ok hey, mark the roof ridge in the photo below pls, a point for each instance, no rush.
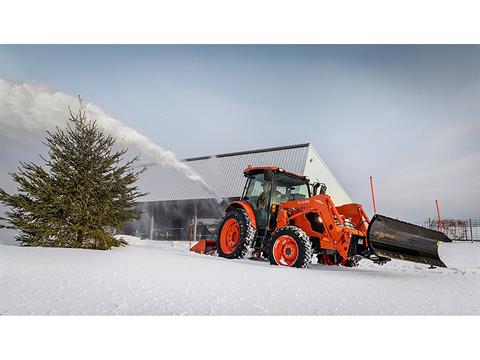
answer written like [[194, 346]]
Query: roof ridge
[[245, 152]]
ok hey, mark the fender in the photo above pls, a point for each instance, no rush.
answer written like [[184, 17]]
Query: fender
[[247, 207]]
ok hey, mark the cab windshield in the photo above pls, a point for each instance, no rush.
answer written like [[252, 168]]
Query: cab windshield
[[288, 188]]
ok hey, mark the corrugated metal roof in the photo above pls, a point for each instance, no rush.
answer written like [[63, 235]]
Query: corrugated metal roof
[[223, 173]]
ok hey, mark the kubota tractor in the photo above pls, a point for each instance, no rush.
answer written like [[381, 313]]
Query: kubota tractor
[[286, 219]]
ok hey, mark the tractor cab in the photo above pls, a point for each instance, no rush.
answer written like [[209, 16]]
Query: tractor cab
[[268, 187]]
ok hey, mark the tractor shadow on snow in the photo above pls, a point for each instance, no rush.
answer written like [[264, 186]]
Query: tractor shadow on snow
[[360, 271]]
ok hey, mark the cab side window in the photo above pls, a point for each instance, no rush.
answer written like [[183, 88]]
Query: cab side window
[[258, 191]]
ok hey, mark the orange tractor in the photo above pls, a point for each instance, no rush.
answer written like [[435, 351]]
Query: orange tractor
[[285, 218]]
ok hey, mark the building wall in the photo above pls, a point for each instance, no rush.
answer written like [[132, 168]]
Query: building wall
[[175, 220], [317, 170]]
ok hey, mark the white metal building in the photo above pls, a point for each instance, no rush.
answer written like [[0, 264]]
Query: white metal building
[[175, 206], [224, 173]]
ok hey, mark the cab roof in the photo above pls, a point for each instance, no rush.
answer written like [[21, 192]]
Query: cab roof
[[275, 169]]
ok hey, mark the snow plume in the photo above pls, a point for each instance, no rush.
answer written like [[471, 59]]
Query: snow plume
[[30, 107]]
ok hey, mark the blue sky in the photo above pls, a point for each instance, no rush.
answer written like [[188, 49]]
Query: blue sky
[[408, 115]]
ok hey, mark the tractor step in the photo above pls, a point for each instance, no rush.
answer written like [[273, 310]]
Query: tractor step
[[397, 239]]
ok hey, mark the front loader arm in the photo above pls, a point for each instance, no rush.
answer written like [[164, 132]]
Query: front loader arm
[[336, 235]]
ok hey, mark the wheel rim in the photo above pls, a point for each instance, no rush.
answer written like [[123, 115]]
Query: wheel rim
[[285, 250], [229, 236]]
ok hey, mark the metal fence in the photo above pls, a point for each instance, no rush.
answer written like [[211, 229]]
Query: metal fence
[[456, 229]]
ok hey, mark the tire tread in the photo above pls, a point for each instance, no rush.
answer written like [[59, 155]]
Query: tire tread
[[303, 241], [247, 234]]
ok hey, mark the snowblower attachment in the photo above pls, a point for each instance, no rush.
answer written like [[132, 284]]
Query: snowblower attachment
[[400, 240], [205, 247]]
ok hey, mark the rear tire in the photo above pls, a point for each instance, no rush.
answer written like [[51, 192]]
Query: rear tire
[[235, 235], [290, 246]]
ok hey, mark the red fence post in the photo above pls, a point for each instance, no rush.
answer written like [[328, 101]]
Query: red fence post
[[438, 213], [373, 196]]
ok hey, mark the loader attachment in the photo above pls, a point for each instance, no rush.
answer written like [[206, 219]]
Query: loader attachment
[[204, 247], [400, 240]]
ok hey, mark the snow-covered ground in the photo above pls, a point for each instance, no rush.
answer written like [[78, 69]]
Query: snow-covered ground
[[150, 277]]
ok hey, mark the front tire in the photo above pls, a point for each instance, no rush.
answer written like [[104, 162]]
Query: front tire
[[235, 235], [290, 246]]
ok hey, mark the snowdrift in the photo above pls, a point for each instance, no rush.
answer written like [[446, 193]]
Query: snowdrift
[[154, 278]]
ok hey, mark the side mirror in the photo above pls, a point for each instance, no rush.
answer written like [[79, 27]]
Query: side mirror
[[323, 189], [319, 188]]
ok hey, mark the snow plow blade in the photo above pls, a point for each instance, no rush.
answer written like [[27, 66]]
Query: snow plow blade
[[204, 247], [400, 240]]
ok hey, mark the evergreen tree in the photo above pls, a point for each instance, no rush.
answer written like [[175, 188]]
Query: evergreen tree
[[86, 190]]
